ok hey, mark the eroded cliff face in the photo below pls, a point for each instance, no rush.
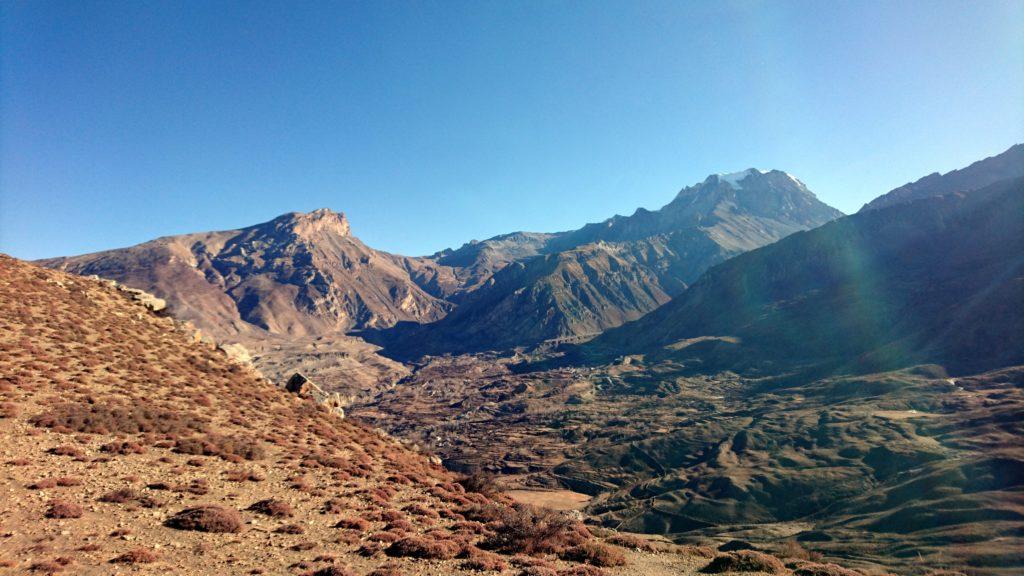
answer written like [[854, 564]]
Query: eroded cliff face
[[296, 275]]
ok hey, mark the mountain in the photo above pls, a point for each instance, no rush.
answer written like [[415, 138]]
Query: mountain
[[128, 446], [574, 285], [938, 280], [296, 275], [476, 262], [1005, 166]]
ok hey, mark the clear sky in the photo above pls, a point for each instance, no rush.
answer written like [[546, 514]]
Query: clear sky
[[431, 124]]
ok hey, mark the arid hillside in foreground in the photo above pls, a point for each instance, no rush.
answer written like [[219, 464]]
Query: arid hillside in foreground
[[128, 447]]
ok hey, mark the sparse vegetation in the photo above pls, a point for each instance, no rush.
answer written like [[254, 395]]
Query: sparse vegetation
[[745, 561], [64, 509], [136, 556], [273, 508], [419, 547], [206, 519]]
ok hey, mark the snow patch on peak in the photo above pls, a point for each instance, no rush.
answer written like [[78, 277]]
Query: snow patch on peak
[[795, 180], [733, 178]]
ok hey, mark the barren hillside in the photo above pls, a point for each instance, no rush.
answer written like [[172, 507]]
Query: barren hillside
[[129, 447]]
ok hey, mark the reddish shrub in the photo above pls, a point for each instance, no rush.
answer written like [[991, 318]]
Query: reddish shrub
[[225, 447], [386, 537], [65, 450], [387, 571], [290, 529], [477, 559], [43, 484], [745, 561], [332, 571], [416, 547], [816, 569], [273, 508], [120, 447], [632, 542], [479, 483], [64, 509], [353, 524], [106, 419], [243, 476], [125, 495], [206, 519], [538, 571], [596, 554], [136, 556], [529, 530], [582, 570]]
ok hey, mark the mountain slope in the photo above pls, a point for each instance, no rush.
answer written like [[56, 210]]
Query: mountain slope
[[127, 446], [586, 281], [938, 280], [299, 274], [1005, 166]]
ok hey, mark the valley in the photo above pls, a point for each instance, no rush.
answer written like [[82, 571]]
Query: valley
[[742, 369]]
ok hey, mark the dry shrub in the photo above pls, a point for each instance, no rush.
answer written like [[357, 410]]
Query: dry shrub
[[46, 567], [632, 542], [538, 571], [418, 547], [582, 570], [226, 447], [816, 569], [43, 484], [386, 570], [66, 450], [353, 524], [370, 549], [122, 448], [386, 537], [64, 509], [333, 506], [290, 529], [479, 483], [125, 495], [479, 560], [206, 519], [596, 554], [243, 476], [530, 530], [400, 525], [273, 508], [793, 549], [136, 418], [137, 556], [420, 510], [699, 551], [332, 571], [8, 410], [745, 561]]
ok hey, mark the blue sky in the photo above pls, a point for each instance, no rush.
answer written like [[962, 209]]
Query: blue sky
[[431, 124]]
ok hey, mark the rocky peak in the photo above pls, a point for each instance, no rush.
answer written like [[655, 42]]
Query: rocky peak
[[307, 224], [320, 220]]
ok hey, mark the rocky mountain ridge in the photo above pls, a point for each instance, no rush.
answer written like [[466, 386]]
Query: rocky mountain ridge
[[574, 285]]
